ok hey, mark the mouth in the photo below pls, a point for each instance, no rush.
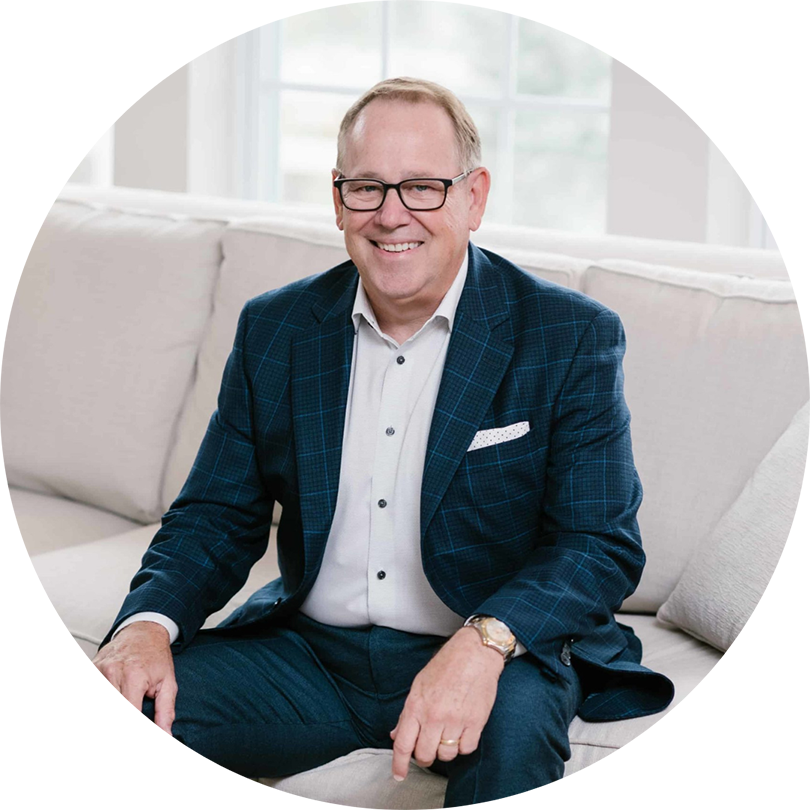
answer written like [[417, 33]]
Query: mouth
[[396, 247]]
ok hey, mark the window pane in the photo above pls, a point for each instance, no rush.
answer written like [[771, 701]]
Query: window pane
[[486, 121], [336, 47], [551, 63], [458, 46], [560, 177], [309, 126]]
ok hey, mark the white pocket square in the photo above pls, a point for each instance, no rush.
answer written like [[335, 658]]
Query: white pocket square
[[484, 438]]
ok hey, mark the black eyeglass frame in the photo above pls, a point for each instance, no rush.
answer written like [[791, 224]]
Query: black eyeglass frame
[[338, 184]]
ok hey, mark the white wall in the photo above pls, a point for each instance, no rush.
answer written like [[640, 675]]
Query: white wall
[[174, 91], [682, 71], [151, 138]]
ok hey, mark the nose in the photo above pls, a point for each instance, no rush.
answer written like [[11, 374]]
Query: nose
[[392, 213]]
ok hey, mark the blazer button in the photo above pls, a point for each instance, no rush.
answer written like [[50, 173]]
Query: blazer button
[[277, 602]]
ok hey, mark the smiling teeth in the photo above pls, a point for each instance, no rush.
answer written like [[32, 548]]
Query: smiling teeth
[[399, 247]]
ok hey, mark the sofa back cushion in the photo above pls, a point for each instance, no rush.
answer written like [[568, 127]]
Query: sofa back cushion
[[100, 352], [257, 256], [715, 370], [261, 254], [567, 271]]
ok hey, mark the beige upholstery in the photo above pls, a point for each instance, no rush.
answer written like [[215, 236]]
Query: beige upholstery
[[100, 352], [125, 317], [48, 522], [715, 370], [728, 574]]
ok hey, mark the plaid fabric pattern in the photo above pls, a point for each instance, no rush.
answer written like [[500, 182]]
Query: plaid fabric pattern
[[539, 531]]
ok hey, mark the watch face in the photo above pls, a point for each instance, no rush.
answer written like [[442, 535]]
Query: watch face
[[498, 631]]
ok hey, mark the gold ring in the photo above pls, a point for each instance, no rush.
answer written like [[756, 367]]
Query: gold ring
[[449, 742]]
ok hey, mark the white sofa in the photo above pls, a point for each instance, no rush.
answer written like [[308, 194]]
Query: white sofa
[[120, 330]]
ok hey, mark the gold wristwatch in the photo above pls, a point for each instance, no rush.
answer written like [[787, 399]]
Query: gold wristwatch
[[494, 633]]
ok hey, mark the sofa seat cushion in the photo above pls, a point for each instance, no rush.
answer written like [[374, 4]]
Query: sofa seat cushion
[[87, 583], [100, 352], [49, 522], [362, 781], [363, 778]]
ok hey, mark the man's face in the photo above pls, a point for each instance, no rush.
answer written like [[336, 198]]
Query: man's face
[[393, 141]]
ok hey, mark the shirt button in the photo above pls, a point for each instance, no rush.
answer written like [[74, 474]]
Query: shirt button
[[389, 431], [400, 360], [382, 503], [380, 574]]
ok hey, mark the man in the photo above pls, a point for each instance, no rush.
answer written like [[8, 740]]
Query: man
[[449, 441]]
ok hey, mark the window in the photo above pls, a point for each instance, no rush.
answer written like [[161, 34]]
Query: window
[[540, 98]]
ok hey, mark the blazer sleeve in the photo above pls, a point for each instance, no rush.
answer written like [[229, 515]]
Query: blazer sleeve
[[588, 557], [219, 525]]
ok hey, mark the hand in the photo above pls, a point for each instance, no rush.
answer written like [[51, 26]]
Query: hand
[[138, 662], [451, 699]]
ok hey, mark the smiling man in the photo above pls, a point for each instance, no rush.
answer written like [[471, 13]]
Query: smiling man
[[448, 438]]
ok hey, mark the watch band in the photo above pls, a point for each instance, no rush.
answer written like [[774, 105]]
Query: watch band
[[494, 633]]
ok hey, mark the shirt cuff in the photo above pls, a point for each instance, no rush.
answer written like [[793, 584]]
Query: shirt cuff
[[157, 618]]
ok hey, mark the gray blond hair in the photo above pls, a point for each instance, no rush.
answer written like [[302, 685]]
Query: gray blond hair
[[418, 91]]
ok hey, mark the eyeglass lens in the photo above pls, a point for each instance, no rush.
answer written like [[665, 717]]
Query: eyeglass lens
[[416, 194]]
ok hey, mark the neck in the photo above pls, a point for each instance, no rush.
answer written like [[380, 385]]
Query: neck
[[402, 318]]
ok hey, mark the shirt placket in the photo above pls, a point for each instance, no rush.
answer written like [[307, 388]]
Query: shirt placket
[[390, 431]]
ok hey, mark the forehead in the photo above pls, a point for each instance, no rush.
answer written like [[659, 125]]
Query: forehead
[[399, 133]]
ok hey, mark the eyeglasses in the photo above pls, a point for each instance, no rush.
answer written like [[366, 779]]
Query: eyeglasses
[[417, 194]]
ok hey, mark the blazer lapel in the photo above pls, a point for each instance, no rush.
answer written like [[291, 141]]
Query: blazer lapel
[[476, 361], [321, 365]]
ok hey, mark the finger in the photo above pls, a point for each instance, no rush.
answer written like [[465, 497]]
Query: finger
[[393, 732], [164, 704], [403, 747], [133, 688], [449, 752], [427, 745], [469, 740]]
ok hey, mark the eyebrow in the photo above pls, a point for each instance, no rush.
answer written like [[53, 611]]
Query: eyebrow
[[408, 175]]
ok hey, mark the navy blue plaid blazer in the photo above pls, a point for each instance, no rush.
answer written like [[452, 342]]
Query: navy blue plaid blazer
[[539, 531]]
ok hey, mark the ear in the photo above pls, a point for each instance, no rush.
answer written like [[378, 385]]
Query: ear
[[336, 201], [479, 191]]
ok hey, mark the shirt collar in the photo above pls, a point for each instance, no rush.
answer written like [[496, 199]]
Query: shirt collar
[[446, 309]]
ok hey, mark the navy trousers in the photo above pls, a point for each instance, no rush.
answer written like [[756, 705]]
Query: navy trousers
[[302, 694]]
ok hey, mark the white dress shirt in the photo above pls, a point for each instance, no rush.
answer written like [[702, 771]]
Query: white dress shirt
[[372, 573]]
